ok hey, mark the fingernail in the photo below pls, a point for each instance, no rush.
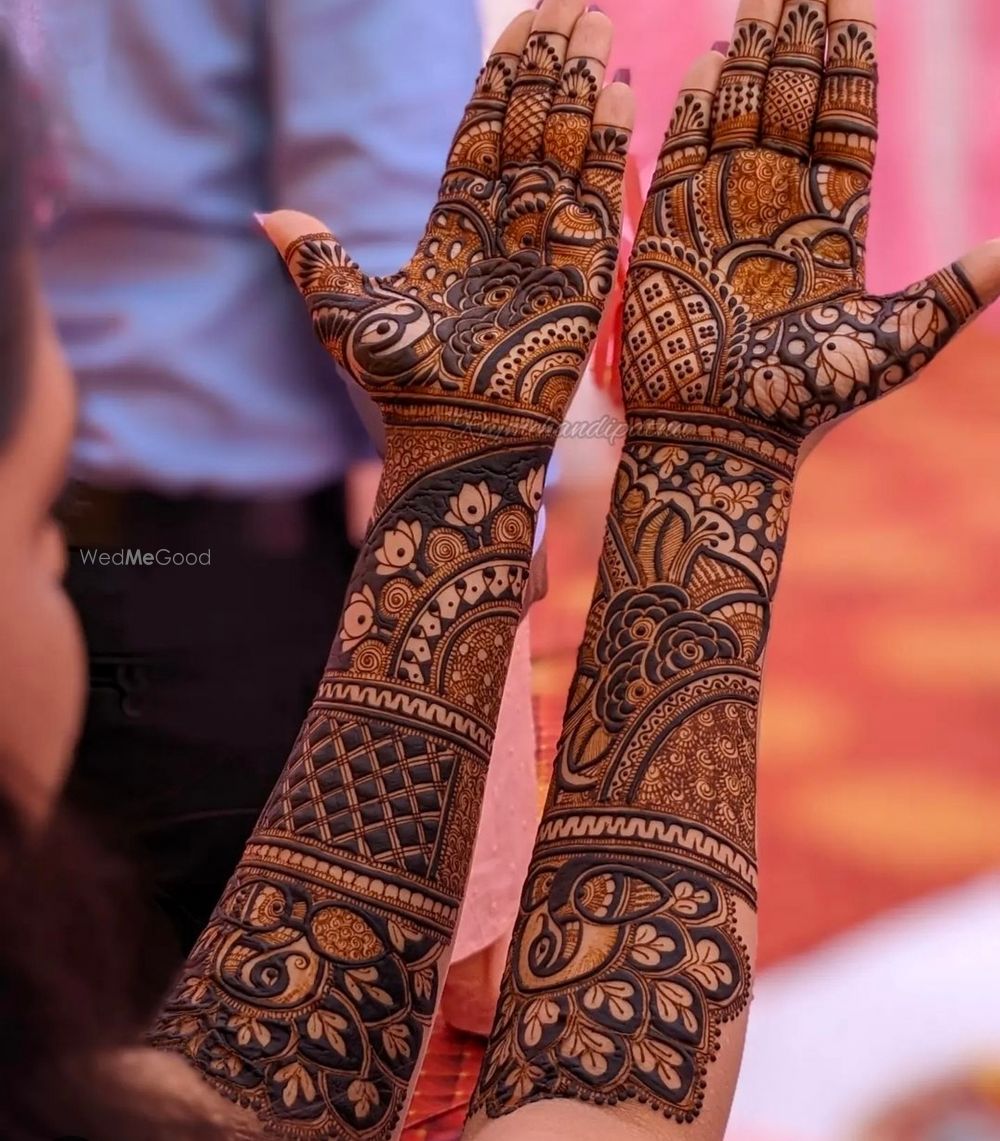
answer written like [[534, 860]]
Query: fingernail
[[623, 75], [721, 46], [260, 219]]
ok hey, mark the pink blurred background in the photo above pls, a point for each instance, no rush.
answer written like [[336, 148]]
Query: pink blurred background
[[939, 159]]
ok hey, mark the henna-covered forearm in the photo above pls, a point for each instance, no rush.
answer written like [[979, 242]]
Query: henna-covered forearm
[[630, 950], [747, 325], [310, 993]]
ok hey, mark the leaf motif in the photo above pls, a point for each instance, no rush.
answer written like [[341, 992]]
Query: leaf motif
[[379, 995], [396, 1040], [396, 936], [363, 1096], [527, 1079], [652, 1057], [616, 994], [649, 947], [228, 1064], [195, 989], [538, 1014], [590, 1046], [249, 1029], [687, 900], [423, 983], [325, 1025], [708, 967], [674, 1004], [298, 1083]]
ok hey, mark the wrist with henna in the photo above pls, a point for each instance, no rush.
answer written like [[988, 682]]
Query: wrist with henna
[[629, 954], [747, 325]]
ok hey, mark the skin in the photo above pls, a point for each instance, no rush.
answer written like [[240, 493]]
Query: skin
[[43, 663], [748, 331], [43, 667], [310, 995]]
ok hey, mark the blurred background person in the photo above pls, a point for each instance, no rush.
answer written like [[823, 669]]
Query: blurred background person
[[211, 427], [70, 968]]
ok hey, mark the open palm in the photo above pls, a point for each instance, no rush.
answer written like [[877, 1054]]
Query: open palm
[[496, 311], [746, 292]]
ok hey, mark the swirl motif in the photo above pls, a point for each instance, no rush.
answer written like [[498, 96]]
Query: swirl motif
[[518, 246], [309, 997]]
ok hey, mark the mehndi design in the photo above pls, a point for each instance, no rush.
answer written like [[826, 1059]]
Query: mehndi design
[[309, 996], [746, 327]]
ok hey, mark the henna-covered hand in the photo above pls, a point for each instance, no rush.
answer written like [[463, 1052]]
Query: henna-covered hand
[[490, 323], [746, 291], [746, 326], [310, 995]]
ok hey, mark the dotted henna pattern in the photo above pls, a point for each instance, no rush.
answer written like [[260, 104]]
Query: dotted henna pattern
[[746, 326], [310, 994]]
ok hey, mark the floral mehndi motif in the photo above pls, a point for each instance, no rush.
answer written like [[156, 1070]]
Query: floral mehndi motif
[[310, 994], [747, 286], [746, 326], [501, 301]]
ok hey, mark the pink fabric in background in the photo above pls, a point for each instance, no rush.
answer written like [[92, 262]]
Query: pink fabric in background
[[936, 187], [510, 815]]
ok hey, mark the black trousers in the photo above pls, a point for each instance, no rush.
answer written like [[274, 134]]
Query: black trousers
[[208, 624]]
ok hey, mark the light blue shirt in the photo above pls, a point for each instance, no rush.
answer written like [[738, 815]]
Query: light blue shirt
[[180, 118]]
